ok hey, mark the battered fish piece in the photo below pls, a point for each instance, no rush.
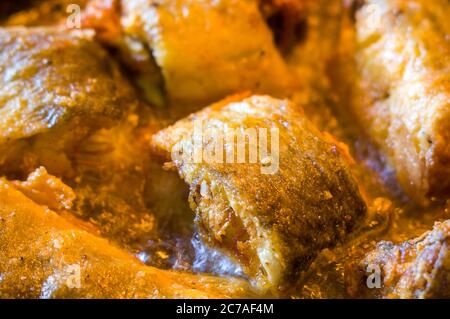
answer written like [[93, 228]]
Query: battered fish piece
[[64, 105], [56, 88], [207, 50], [270, 212], [404, 96], [42, 255], [170, 70], [418, 268]]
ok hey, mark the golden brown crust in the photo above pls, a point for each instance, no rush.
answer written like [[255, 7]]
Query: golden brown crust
[[271, 224], [97, 140], [57, 87], [417, 268], [50, 77], [41, 252], [207, 50], [403, 59]]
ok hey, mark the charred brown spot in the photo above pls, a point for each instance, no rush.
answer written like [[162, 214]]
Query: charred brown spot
[[287, 19]]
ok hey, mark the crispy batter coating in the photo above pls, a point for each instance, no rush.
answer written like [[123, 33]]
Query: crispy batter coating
[[65, 105], [56, 88], [148, 46], [403, 58], [272, 224], [418, 268], [43, 255], [207, 50]]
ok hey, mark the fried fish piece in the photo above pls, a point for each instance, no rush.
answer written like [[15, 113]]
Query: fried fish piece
[[56, 88], [270, 212], [66, 106], [42, 255], [207, 50], [418, 268], [403, 99], [169, 67]]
